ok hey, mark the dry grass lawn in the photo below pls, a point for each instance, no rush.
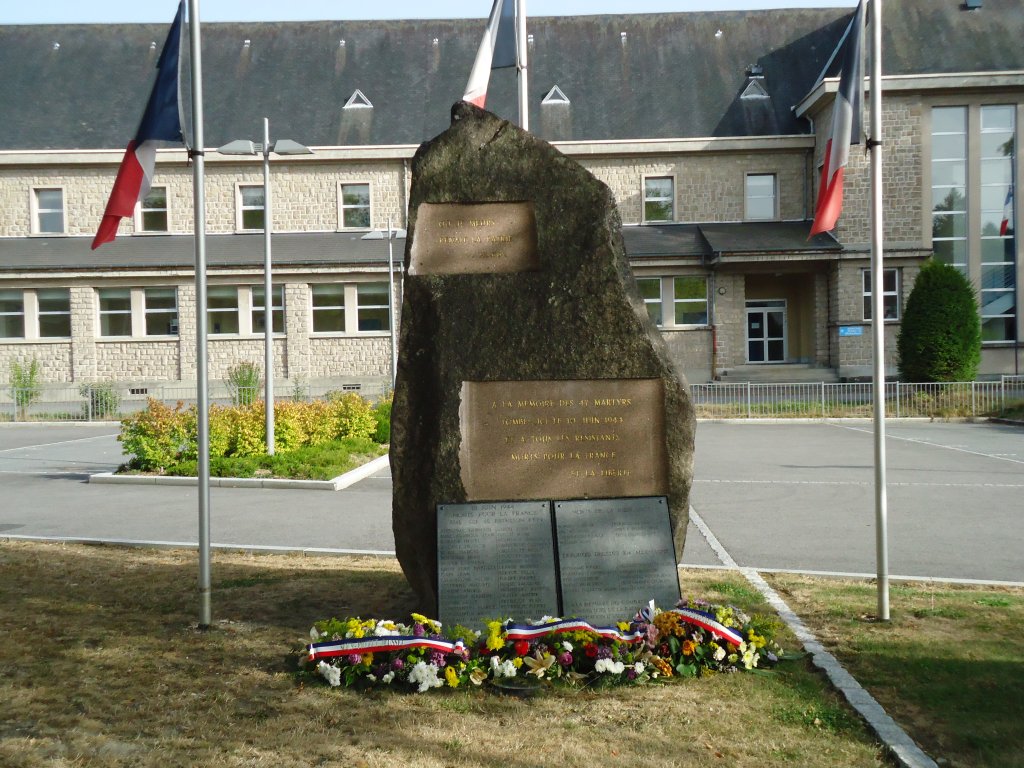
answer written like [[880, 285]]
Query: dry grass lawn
[[101, 664]]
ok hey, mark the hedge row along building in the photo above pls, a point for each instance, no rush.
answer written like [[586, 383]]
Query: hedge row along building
[[707, 127]]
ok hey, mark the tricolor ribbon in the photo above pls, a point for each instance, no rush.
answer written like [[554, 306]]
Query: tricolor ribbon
[[533, 631], [385, 644], [710, 623]]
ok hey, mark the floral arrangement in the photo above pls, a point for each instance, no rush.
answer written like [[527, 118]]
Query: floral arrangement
[[693, 639]]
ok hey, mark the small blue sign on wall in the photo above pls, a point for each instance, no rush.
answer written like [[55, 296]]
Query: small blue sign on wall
[[851, 330]]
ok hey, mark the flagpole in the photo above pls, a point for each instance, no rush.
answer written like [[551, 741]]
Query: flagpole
[[202, 386], [877, 318], [524, 102]]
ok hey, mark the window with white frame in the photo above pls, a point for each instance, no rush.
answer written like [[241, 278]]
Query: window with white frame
[[258, 314], [998, 238], [138, 312], [890, 293], [152, 213], [690, 298], [650, 292], [222, 309], [372, 304], [115, 311], [949, 185], [48, 211], [12, 314], [54, 308], [329, 308], [251, 207], [160, 306], [760, 195], [355, 206], [659, 198]]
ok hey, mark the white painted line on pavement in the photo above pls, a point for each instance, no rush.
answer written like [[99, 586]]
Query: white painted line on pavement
[[857, 482], [59, 442], [890, 436], [867, 576], [894, 737]]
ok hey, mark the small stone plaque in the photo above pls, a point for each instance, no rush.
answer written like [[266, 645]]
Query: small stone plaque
[[495, 560], [614, 556], [474, 238], [563, 439]]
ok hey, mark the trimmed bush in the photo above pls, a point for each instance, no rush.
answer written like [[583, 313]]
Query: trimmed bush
[[382, 412], [156, 437], [940, 336]]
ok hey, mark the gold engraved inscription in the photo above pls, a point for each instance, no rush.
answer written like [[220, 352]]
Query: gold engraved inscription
[[563, 439], [474, 238]]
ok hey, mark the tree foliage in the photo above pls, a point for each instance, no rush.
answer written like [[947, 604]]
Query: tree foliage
[[940, 336]]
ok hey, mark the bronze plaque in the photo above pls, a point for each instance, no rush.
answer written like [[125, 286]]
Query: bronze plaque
[[597, 438], [474, 238], [614, 556], [495, 560]]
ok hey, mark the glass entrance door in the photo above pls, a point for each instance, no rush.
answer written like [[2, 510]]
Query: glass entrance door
[[766, 331]]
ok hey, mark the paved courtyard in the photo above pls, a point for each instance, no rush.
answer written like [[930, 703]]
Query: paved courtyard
[[791, 496]]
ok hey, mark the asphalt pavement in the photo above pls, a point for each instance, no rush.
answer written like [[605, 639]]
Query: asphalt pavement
[[785, 496]]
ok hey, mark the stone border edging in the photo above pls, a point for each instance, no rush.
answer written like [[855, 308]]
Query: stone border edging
[[899, 743], [335, 484]]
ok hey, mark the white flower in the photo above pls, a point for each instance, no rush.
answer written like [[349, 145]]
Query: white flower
[[426, 676], [388, 677], [330, 673], [567, 645], [381, 630], [313, 634], [502, 668], [719, 653], [750, 658], [639, 667], [607, 665]]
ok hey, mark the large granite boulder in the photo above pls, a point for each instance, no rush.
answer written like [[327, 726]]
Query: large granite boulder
[[566, 311]]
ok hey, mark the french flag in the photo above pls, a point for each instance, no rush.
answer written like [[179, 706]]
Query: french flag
[[1007, 223], [497, 50], [160, 122], [846, 130]]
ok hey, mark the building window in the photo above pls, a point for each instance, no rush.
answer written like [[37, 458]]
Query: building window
[[890, 293], [161, 311], [650, 291], [659, 198], [276, 309], [355, 206], [48, 211], [115, 311], [691, 300], [12, 314], [760, 196], [372, 304], [329, 308], [54, 306], [222, 309], [251, 207], [998, 240], [949, 191], [153, 211]]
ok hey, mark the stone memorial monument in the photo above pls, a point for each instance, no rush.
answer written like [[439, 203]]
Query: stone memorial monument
[[528, 366]]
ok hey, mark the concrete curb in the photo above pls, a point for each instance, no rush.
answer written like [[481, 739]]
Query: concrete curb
[[336, 484], [899, 743]]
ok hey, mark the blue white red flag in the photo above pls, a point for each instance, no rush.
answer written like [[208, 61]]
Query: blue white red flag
[[497, 50], [160, 122], [385, 644], [846, 129], [1007, 223]]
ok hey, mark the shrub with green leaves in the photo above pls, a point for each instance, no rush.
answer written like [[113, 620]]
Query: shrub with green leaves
[[25, 383], [157, 436], [940, 336], [243, 382], [382, 412], [351, 415], [101, 400]]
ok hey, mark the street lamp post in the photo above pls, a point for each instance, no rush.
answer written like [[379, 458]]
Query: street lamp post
[[279, 147]]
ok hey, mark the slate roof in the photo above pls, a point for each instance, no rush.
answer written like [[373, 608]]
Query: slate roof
[[713, 241], [178, 251], [626, 76]]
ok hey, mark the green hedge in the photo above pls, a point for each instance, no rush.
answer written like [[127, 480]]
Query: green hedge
[[160, 436]]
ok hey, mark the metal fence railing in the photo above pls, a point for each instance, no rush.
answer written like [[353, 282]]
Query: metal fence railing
[[820, 400], [111, 401], [742, 400]]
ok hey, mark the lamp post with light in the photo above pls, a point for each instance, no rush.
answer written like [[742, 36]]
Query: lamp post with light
[[279, 147], [392, 235]]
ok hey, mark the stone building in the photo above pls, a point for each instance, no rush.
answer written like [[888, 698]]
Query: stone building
[[708, 127]]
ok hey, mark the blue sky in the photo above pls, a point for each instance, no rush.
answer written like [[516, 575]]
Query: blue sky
[[118, 11]]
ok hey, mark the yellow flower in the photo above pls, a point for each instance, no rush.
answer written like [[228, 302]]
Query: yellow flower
[[452, 677], [623, 626], [539, 664], [367, 659], [517, 662], [494, 639], [688, 647], [477, 676]]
